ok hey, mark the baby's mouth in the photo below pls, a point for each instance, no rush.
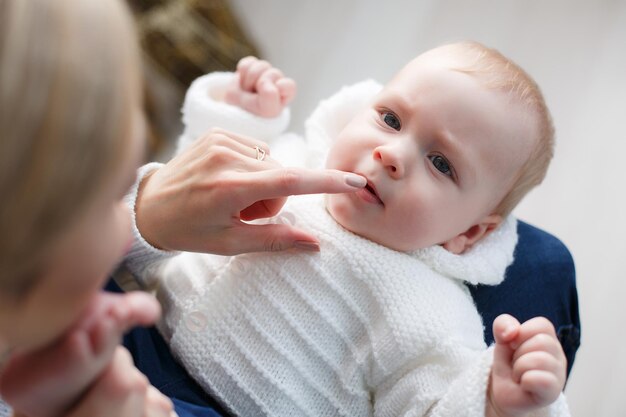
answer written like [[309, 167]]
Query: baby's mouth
[[371, 189]]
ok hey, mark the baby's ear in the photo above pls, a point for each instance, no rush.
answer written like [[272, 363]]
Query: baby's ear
[[475, 233]]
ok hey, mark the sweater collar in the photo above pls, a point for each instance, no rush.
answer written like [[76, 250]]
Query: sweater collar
[[484, 263]]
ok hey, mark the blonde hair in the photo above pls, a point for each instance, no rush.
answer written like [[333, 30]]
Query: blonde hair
[[495, 71], [69, 85]]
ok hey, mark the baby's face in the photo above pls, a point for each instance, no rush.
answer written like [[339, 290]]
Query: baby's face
[[439, 152]]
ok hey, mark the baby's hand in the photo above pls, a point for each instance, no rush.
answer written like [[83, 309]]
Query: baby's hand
[[529, 366], [49, 381], [260, 88]]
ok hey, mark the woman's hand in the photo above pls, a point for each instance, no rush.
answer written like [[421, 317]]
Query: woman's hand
[[48, 382], [198, 200]]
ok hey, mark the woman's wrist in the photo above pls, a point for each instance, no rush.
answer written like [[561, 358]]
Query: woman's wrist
[[142, 229], [142, 223], [144, 252]]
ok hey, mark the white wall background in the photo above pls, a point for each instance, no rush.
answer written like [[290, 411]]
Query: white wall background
[[576, 50]]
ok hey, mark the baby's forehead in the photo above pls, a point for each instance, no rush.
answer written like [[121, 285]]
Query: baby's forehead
[[429, 75], [427, 81]]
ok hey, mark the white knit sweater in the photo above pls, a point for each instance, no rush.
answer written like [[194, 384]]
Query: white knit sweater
[[354, 330]]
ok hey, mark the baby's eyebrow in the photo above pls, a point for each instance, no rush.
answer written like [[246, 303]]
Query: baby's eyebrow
[[398, 101]]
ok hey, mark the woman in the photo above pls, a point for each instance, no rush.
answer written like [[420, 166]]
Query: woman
[[71, 140]]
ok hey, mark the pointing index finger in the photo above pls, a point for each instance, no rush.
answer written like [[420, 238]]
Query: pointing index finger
[[283, 182]]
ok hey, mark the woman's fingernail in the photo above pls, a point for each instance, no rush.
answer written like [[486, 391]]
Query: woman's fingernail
[[355, 180], [307, 245]]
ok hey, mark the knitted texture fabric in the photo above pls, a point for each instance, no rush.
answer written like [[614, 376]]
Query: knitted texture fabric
[[357, 329], [142, 256]]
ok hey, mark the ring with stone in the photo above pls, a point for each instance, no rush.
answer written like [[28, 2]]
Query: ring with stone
[[260, 153]]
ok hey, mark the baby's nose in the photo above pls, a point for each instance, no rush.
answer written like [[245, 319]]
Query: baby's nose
[[391, 159]]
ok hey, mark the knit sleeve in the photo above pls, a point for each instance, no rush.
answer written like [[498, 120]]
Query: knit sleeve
[[437, 382], [203, 111], [142, 257], [458, 388], [467, 395]]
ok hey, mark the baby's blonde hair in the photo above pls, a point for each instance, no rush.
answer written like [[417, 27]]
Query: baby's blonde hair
[[495, 71], [69, 90]]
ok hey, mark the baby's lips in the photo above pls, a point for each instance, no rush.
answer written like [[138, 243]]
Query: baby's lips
[[371, 188]]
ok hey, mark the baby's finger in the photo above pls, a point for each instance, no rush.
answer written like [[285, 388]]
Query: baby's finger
[[250, 78], [119, 391], [505, 328], [540, 342], [244, 63], [271, 75], [243, 66], [534, 326], [157, 404], [131, 309], [268, 100], [100, 305], [539, 361], [143, 310], [287, 90], [544, 386], [105, 335]]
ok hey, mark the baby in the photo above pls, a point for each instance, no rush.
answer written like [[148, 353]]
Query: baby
[[379, 321]]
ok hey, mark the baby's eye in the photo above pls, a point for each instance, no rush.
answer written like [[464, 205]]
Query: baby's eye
[[391, 120], [441, 164]]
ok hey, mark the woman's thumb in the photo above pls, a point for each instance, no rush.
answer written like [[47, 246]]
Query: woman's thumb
[[275, 238]]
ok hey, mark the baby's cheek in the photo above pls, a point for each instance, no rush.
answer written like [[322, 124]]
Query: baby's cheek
[[415, 228], [343, 212], [336, 207]]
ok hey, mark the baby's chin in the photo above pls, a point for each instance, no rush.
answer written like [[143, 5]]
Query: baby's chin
[[334, 208]]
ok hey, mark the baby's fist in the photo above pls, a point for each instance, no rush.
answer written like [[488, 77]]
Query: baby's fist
[[260, 88], [529, 366]]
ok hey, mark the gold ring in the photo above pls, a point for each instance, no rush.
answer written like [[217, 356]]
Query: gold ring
[[260, 153]]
